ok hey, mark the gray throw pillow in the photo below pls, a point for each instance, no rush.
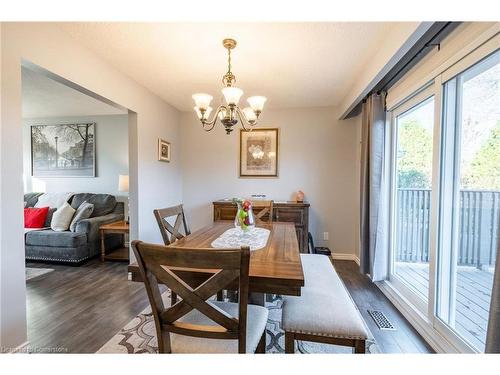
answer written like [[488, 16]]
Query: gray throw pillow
[[83, 212], [48, 220]]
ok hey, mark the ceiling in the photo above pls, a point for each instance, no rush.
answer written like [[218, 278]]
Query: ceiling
[[293, 64], [44, 97]]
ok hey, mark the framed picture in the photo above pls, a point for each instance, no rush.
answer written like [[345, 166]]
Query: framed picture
[[163, 150], [66, 150], [259, 153]]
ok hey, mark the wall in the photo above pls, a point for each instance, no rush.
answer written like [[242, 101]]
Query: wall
[[111, 156], [154, 183], [318, 154]]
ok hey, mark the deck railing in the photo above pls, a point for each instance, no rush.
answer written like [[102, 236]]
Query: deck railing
[[478, 226]]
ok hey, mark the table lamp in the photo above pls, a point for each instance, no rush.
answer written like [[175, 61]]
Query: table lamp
[[123, 187]]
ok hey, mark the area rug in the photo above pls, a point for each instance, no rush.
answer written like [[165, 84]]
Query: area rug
[[32, 273], [139, 335]]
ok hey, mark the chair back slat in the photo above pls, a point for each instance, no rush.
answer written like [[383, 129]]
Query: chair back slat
[[266, 207], [157, 265], [170, 233]]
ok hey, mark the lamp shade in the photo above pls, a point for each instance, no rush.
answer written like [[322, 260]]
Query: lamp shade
[[249, 114], [202, 101], [123, 183], [232, 95], [257, 102]]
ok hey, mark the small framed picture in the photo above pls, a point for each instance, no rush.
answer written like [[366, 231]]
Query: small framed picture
[[163, 150], [259, 153]]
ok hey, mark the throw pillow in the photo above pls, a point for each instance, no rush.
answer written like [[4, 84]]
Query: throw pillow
[[82, 212], [48, 220], [62, 218], [35, 217]]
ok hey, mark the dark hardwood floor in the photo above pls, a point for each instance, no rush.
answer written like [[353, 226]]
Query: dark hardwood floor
[[78, 309]]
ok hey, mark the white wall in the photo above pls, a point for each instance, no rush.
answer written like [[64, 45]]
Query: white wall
[[318, 154], [154, 183], [111, 156]]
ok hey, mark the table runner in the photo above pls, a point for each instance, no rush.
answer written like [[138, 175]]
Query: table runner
[[256, 238]]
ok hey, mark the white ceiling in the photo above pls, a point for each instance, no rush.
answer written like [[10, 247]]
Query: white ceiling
[[44, 97], [293, 64]]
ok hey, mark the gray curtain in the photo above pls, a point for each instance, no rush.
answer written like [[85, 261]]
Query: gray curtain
[[374, 253], [493, 334]]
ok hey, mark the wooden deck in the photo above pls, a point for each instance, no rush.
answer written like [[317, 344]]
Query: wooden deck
[[472, 300]]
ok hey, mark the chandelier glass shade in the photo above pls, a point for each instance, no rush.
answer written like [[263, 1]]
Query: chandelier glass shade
[[229, 113]]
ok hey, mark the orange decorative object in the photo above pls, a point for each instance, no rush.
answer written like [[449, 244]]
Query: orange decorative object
[[300, 196]]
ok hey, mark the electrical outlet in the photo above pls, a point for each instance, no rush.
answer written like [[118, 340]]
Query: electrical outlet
[[325, 236]]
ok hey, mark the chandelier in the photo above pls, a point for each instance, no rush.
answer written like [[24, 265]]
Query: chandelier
[[230, 113]]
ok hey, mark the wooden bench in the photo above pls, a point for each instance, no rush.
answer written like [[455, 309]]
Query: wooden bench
[[325, 312]]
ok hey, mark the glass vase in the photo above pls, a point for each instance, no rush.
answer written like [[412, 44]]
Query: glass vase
[[244, 219]]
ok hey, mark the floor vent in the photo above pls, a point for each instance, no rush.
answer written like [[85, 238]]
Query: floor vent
[[381, 320]]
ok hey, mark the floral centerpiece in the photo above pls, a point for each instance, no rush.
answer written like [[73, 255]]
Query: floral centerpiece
[[244, 216]]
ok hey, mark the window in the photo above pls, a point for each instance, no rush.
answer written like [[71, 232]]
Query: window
[[469, 199]]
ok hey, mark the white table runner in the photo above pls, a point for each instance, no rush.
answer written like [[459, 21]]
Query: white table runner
[[256, 238]]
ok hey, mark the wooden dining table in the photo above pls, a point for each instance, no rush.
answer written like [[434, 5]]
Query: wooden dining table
[[274, 269]]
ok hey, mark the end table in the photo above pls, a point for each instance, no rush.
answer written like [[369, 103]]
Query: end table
[[120, 254]]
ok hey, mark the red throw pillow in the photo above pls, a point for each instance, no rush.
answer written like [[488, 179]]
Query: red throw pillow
[[35, 217]]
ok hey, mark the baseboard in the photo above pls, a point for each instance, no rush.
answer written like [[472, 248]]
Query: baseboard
[[352, 257]]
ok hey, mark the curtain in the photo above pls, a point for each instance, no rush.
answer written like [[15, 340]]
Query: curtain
[[493, 333], [374, 253]]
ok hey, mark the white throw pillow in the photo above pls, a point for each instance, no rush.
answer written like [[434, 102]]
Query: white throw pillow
[[62, 218], [53, 200]]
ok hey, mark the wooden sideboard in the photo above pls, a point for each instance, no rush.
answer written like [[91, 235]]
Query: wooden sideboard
[[291, 212]]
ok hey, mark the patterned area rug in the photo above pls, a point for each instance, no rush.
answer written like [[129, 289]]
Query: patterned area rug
[[139, 335], [31, 273]]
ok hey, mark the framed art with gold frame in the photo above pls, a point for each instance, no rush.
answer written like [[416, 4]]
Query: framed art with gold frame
[[259, 152]]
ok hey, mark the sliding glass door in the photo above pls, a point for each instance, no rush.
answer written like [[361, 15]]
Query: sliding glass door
[[445, 199], [469, 200]]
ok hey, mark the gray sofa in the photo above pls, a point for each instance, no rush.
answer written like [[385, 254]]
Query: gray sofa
[[82, 244]]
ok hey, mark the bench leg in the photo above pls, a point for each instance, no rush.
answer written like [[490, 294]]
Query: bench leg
[[173, 298], [289, 343], [359, 346], [261, 347]]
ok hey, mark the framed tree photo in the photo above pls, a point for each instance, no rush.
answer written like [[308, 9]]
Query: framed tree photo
[[66, 150], [259, 152]]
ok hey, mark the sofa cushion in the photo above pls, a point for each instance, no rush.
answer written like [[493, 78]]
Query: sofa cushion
[[53, 200], [62, 218], [50, 238], [103, 203], [48, 220], [35, 217], [82, 212], [31, 198]]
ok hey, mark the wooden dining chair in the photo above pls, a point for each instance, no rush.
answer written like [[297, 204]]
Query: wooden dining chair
[[169, 232], [265, 207], [196, 324]]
